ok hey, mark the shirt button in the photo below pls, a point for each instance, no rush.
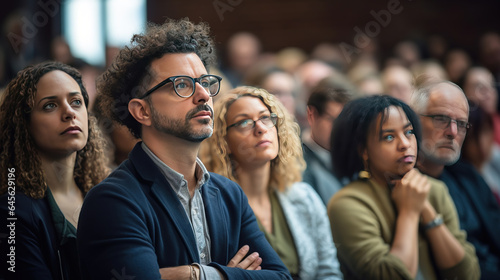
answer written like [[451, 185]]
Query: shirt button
[[202, 255]]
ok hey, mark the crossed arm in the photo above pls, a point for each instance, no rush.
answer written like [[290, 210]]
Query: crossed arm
[[250, 262]]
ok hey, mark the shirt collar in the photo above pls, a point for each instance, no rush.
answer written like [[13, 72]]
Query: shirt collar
[[175, 178]]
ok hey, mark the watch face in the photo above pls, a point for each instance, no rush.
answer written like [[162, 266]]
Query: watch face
[[438, 220]]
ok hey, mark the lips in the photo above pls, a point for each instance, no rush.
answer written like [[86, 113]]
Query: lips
[[72, 130], [203, 114], [451, 147], [263, 142], [407, 159]]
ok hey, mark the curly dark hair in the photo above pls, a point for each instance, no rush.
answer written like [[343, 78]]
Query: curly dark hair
[[351, 128], [17, 147], [129, 74]]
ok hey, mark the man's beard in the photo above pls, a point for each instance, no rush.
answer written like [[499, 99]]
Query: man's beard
[[183, 129], [430, 155]]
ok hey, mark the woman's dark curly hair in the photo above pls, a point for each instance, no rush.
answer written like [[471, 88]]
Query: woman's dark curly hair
[[351, 128], [17, 147], [129, 74]]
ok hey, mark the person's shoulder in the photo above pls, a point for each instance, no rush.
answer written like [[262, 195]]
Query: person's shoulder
[[301, 193], [356, 191], [355, 188], [220, 181], [435, 183], [24, 207], [461, 168], [224, 185], [300, 190], [121, 180]]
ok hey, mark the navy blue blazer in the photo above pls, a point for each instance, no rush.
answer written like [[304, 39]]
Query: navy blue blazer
[[133, 224], [40, 250]]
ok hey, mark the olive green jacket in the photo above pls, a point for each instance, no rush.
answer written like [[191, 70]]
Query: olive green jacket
[[363, 218]]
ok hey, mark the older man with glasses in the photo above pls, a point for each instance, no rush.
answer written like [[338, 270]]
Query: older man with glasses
[[444, 114], [161, 214]]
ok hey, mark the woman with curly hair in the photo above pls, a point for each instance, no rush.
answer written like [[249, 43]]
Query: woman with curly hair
[[51, 154], [256, 144]]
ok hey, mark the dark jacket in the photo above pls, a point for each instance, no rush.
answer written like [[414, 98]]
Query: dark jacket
[[470, 193], [133, 224], [42, 251]]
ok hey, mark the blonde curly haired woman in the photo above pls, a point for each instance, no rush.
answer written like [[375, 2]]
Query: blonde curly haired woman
[[256, 144]]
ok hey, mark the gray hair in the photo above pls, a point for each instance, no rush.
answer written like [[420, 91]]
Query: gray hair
[[423, 86]]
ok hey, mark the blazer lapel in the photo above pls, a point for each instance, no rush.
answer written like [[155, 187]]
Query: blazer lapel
[[216, 221], [167, 198], [174, 209]]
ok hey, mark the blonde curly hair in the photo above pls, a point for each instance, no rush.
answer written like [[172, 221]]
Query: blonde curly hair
[[18, 149], [286, 168]]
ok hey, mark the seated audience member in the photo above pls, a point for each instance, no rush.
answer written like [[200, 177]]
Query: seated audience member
[[161, 214], [256, 144], [456, 63], [479, 147], [430, 68], [277, 82], [479, 87], [243, 50], [323, 107], [308, 75], [397, 81], [391, 222], [51, 155], [444, 114]]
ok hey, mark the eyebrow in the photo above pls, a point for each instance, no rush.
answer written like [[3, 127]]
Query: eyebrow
[[246, 115], [55, 97]]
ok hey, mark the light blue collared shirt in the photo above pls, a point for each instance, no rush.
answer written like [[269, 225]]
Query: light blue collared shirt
[[194, 208]]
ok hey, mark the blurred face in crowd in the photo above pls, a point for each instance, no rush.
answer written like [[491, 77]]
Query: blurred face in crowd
[[322, 124], [479, 88], [282, 86], [397, 83]]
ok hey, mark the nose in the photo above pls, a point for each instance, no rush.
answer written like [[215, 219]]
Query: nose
[[68, 113], [201, 95], [404, 143], [452, 130], [260, 128]]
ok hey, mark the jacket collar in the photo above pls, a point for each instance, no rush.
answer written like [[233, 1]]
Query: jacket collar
[[147, 170]]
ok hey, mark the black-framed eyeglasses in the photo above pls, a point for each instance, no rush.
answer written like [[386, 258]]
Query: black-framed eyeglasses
[[442, 122], [248, 124], [184, 86]]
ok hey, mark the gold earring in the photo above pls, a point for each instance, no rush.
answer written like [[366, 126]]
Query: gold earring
[[363, 174]]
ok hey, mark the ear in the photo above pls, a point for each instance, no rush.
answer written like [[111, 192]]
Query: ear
[[139, 109], [364, 154], [311, 115]]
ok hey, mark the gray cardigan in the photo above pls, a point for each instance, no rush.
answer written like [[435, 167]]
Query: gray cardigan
[[308, 222]]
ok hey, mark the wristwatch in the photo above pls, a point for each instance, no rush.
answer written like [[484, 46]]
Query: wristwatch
[[438, 220]]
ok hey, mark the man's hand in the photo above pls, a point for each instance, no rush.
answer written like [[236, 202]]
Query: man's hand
[[252, 262]]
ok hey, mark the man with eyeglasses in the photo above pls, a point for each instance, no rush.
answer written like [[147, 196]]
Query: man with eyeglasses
[[160, 214], [444, 114]]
